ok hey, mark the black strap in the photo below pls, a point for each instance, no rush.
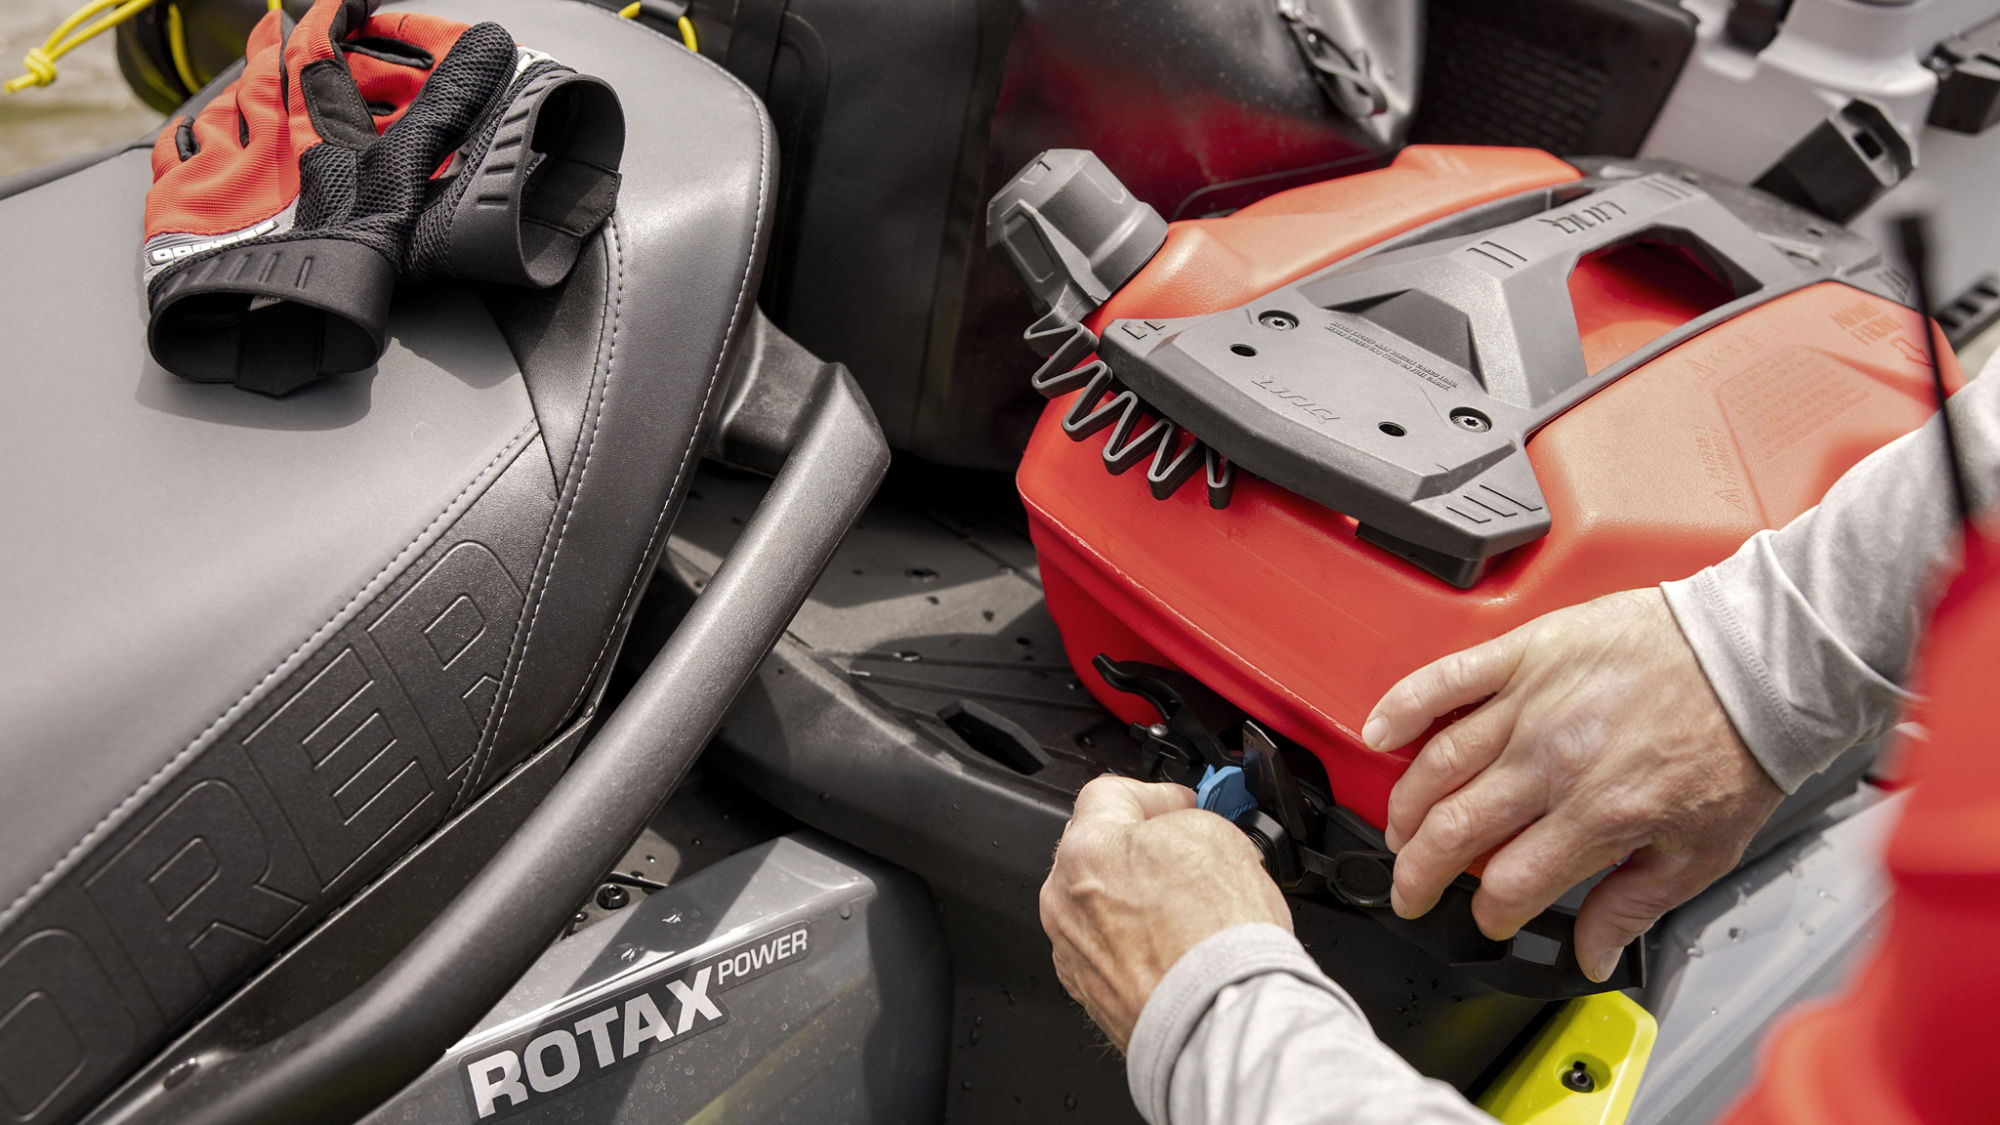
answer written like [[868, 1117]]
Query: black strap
[[753, 42], [274, 316], [523, 222]]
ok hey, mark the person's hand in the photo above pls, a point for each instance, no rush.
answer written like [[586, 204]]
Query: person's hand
[[1141, 877], [1601, 739]]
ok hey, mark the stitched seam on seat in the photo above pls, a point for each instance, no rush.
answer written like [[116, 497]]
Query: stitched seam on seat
[[587, 445], [694, 439], [477, 770], [341, 617]]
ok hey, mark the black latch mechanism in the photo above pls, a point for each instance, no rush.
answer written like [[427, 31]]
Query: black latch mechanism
[[1314, 847]]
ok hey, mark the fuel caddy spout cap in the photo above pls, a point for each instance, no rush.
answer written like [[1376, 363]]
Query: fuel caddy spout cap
[[1072, 231]]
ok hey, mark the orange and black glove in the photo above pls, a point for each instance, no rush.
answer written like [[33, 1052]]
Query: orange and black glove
[[278, 215], [537, 175], [282, 214]]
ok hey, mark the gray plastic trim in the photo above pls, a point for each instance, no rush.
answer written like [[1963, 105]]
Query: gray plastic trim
[[1401, 386], [1775, 933], [841, 1016]]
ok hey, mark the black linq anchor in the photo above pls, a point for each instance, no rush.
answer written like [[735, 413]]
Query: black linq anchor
[[1538, 962], [1315, 848]]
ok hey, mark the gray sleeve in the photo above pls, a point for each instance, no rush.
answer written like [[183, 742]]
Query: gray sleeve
[[1806, 632], [1246, 1030]]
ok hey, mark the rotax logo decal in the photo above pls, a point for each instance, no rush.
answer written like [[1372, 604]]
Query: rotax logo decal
[[591, 1039]]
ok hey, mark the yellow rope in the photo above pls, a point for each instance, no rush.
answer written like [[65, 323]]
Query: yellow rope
[[177, 47], [40, 62], [686, 25]]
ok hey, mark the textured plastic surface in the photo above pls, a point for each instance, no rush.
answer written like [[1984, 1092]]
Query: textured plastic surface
[[1582, 1067], [1570, 76], [1274, 604], [1971, 312]]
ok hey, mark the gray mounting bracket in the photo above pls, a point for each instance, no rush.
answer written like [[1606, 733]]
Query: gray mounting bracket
[[1400, 386]]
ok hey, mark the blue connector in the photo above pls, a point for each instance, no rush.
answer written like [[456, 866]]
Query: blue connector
[[1223, 792]]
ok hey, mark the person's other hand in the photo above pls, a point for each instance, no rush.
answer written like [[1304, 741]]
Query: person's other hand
[[1141, 877], [1601, 739]]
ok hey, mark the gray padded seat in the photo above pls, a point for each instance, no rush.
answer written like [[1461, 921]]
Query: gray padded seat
[[252, 649]]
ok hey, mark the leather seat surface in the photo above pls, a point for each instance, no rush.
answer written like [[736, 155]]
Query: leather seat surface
[[252, 649]]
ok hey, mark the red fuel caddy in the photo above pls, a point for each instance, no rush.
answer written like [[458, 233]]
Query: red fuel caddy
[[1362, 424]]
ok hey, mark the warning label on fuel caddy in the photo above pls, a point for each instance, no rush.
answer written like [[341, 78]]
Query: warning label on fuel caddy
[[591, 1039]]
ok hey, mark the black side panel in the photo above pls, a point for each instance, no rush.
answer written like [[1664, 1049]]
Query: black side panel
[[1569, 76], [794, 81], [878, 107]]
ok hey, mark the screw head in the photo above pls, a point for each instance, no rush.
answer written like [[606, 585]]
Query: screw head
[[1281, 321], [1466, 418], [1578, 1078], [611, 896]]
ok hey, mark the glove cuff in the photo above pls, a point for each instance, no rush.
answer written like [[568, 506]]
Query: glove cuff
[[547, 179], [273, 316]]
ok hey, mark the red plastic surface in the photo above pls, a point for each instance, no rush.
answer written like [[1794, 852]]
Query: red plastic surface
[[1275, 604], [1912, 1038]]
